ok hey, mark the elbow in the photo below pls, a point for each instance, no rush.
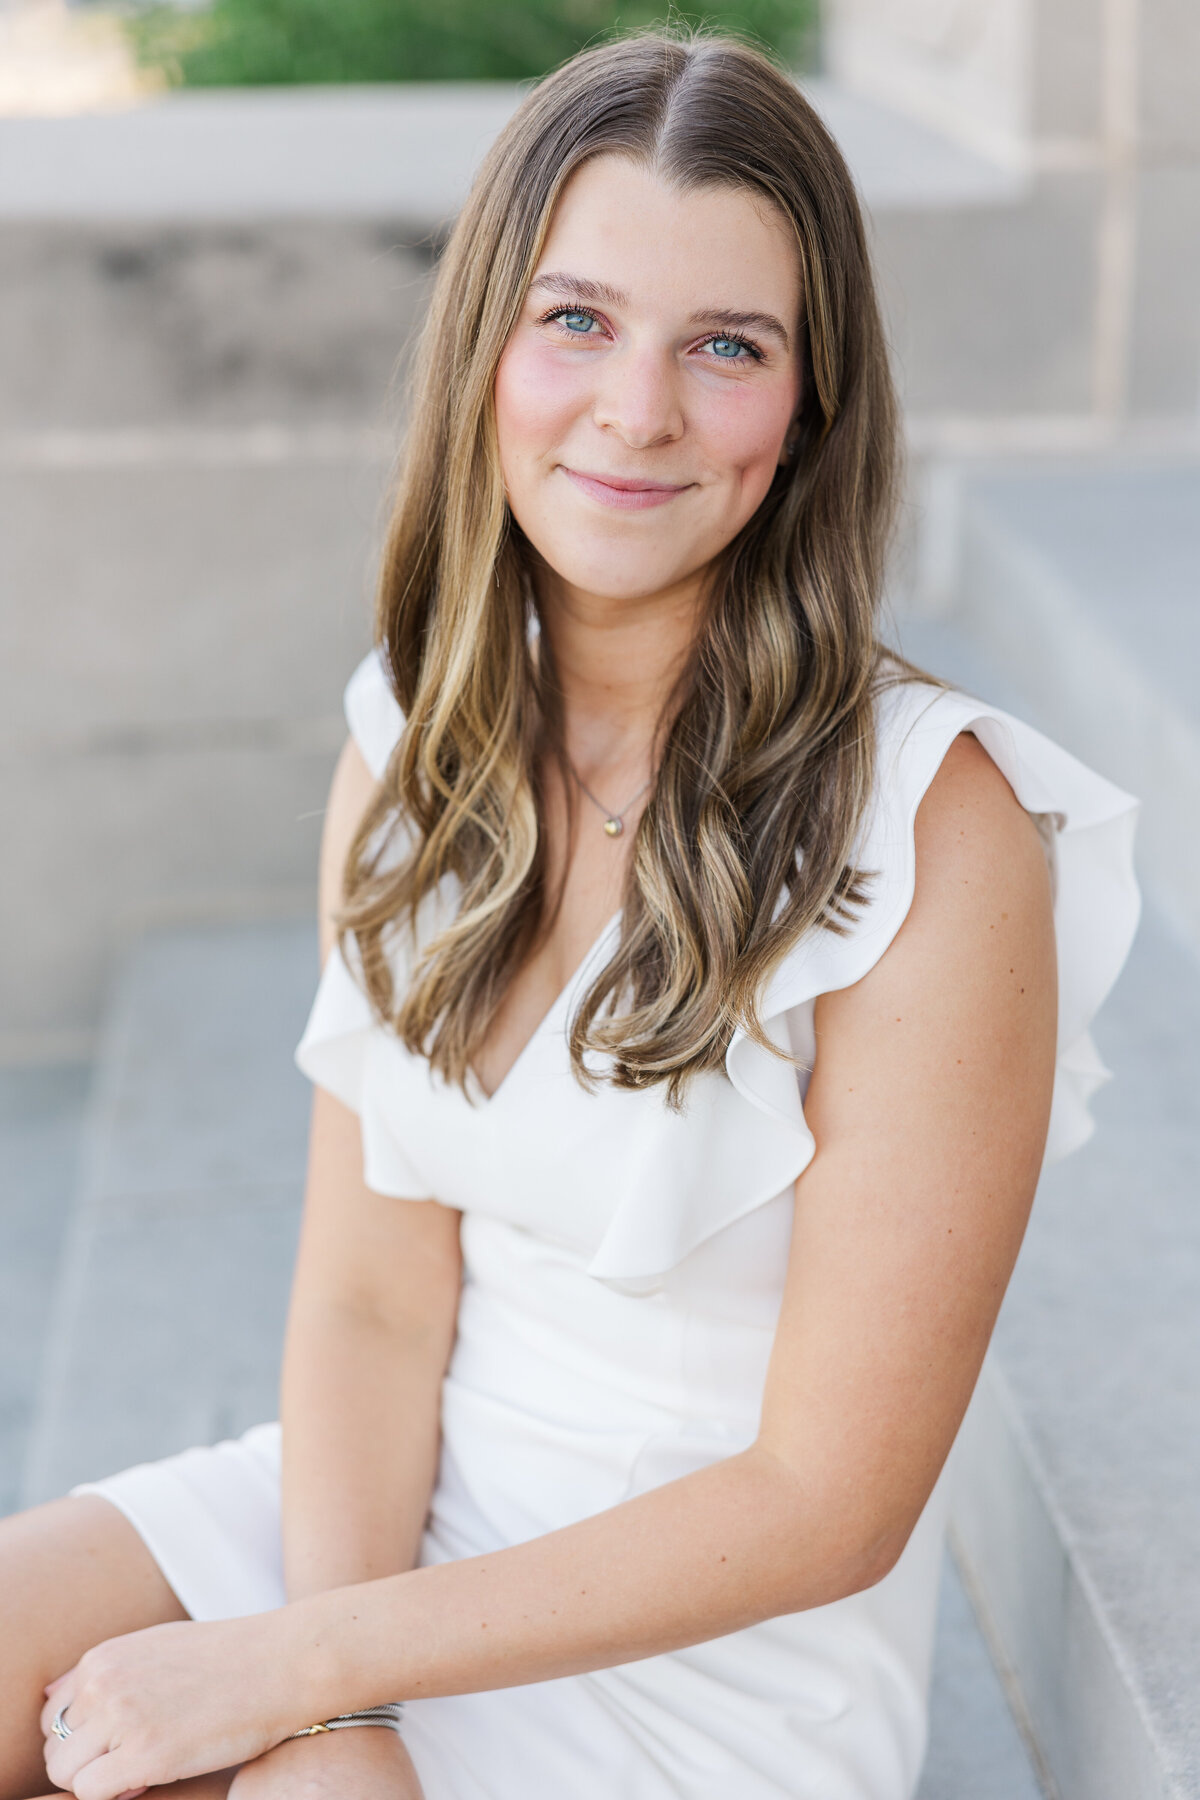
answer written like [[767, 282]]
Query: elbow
[[832, 1545], [846, 1562], [872, 1559]]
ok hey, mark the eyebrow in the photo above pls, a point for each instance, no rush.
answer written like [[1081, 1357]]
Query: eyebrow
[[744, 321], [581, 287]]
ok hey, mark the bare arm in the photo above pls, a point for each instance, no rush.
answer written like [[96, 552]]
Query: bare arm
[[370, 1328], [929, 1104]]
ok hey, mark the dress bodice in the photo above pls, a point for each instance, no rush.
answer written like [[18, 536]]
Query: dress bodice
[[632, 1188]]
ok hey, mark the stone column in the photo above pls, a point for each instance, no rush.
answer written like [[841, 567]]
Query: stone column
[[1097, 103]]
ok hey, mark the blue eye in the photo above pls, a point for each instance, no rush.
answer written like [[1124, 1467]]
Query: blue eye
[[579, 322], [727, 347]]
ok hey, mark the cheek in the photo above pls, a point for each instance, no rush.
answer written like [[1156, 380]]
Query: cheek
[[537, 396], [746, 439]]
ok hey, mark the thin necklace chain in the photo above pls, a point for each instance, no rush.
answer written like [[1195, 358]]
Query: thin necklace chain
[[614, 822]]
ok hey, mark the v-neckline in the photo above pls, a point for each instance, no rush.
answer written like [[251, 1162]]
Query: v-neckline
[[479, 1094]]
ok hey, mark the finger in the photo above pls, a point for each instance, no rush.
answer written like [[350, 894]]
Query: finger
[[104, 1779], [65, 1757], [59, 1701]]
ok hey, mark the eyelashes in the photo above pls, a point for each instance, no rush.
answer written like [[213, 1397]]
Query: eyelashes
[[557, 313]]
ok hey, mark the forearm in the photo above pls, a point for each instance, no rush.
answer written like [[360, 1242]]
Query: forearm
[[360, 1444], [698, 1558], [370, 1330]]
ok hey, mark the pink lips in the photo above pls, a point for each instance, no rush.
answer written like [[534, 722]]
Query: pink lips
[[623, 494]]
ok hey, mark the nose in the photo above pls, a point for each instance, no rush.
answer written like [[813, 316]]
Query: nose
[[638, 398]]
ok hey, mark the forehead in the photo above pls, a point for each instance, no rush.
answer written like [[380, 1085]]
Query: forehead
[[618, 222]]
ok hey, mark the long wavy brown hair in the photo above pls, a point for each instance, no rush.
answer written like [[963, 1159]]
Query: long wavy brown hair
[[747, 840]]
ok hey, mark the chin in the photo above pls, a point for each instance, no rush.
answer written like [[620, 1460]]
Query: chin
[[601, 563], [622, 583]]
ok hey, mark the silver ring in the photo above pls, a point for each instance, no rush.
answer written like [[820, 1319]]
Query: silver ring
[[59, 1726]]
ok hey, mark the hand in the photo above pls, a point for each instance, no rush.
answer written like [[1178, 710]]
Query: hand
[[160, 1705], [368, 1762]]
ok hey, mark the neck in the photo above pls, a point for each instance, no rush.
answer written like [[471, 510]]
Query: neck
[[618, 662]]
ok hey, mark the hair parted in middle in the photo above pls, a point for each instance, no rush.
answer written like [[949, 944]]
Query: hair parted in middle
[[747, 840]]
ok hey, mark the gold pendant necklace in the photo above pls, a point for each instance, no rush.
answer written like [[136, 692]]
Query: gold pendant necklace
[[614, 822]]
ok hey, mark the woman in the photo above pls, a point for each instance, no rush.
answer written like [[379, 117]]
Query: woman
[[685, 1056]]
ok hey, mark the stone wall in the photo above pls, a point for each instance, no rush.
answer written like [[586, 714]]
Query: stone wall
[[198, 422], [1078, 310]]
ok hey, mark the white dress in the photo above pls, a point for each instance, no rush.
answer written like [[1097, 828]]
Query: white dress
[[623, 1274]]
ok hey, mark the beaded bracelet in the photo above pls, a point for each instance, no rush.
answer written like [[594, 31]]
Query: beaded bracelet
[[389, 1714]]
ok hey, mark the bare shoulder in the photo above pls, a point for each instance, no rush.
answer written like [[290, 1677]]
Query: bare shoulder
[[350, 793], [979, 857], [976, 952], [969, 811]]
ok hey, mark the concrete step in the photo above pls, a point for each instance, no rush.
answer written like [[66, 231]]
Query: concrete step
[[41, 1123], [1073, 603], [1076, 1511], [976, 1751], [166, 1323], [168, 1316]]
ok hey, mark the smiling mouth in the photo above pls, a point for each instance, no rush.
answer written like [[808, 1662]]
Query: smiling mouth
[[623, 493]]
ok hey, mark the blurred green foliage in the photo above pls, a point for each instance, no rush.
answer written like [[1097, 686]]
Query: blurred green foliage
[[259, 42]]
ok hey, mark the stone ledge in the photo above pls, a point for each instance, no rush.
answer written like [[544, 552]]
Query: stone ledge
[[1075, 1507], [405, 151]]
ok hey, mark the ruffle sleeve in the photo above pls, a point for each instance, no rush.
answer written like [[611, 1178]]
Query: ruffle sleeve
[[742, 1143], [345, 1050], [343, 1042], [1087, 826], [372, 713]]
